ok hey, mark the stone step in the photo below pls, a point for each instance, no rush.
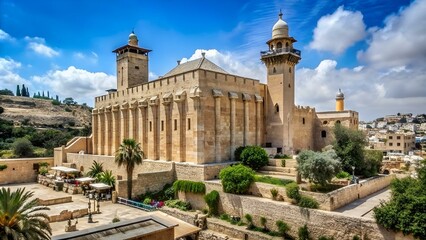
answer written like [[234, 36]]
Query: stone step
[[292, 163], [274, 173], [279, 169]]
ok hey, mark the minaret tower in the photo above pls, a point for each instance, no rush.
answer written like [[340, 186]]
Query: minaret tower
[[340, 101], [132, 64], [280, 61]]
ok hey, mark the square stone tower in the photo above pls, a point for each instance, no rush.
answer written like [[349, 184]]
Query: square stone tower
[[280, 61]]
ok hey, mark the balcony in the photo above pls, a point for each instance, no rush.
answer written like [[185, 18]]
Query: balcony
[[280, 51]]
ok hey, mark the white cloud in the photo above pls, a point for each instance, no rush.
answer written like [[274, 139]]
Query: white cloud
[[5, 36], [8, 76], [79, 84], [38, 45], [231, 63], [401, 41], [91, 57], [371, 92], [338, 31]]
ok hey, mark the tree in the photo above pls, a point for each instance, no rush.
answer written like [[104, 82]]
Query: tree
[[255, 157], [23, 91], [106, 177], [406, 211], [22, 147], [95, 169], [318, 167], [69, 101], [372, 162], [28, 92], [6, 92], [18, 91], [236, 179], [349, 146], [129, 155], [20, 216]]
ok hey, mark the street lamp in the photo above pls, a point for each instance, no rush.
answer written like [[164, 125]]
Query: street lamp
[[90, 219]]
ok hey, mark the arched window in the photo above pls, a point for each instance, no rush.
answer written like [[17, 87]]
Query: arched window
[[338, 122], [286, 44], [325, 122], [277, 108], [303, 120], [279, 45], [323, 134], [272, 47]]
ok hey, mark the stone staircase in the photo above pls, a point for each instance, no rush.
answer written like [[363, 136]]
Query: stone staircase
[[275, 169]]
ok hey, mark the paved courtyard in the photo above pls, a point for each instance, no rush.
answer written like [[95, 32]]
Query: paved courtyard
[[363, 207], [107, 208]]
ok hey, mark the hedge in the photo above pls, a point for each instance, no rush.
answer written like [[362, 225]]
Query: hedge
[[189, 186]]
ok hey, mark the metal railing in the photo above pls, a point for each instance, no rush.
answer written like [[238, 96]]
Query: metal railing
[[135, 204], [281, 51]]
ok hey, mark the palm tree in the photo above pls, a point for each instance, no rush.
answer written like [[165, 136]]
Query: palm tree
[[129, 154], [106, 177], [95, 169], [20, 217]]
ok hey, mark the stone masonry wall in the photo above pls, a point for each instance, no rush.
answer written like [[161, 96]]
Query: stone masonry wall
[[152, 181], [21, 170], [319, 222]]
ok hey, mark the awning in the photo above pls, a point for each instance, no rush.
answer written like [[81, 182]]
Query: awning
[[85, 179], [65, 169], [100, 186]]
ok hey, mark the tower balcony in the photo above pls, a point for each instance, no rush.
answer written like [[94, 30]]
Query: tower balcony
[[281, 51]]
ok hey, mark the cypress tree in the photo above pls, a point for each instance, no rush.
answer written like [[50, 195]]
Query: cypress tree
[[34, 95], [57, 98], [48, 94], [23, 91], [18, 91], [28, 93], [43, 94]]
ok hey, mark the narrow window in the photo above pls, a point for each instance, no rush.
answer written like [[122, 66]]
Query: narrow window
[[189, 124], [122, 76], [175, 124], [277, 108], [274, 70], [137, 67], [303, 120], [323, 134], [289, 69], [162, 125], [150, 126]]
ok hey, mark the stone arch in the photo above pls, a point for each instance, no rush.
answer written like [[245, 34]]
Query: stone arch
[[279, 45]]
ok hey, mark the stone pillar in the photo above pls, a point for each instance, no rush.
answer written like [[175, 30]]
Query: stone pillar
[[107, 134], [124, 123], [153, 103], [217, 94], [101, 130], [115, 129], [246, 99], [95, 130], [197, 126], [143, 125], [259, 101], [167, 129], [232, 97], [180, 99], [130, 121]]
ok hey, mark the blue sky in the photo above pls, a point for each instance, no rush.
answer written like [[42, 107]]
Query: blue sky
[[373, 49]]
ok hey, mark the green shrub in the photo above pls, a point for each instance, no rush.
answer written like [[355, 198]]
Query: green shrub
[[325, 238], [176, 203], [282, 162], [263, 223], [249, 220], [43, 164], [43, 171], [147, 201], [356, 237], [56, 103], [292, 191], [22, 147], [255, 157], [189, 186], [237, 153], [115, 219], [274, 193], [236, 179], [283, 228], [212, 200], [304, 233], [3, 167], [308, 202], [68, 109], [342, 175], [281, 156], [169, 192], [272, 180], [224, 217]]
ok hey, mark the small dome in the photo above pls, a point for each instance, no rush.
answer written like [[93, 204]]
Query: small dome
[[340, 95], [280, 29], [133, 39]]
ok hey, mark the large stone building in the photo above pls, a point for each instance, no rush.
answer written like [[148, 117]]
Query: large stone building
[[199, 113]]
